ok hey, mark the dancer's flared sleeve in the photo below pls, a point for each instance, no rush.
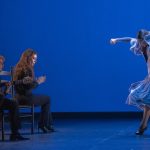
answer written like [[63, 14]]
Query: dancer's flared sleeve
[[135, 47]]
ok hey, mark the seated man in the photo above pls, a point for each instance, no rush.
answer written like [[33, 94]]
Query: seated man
[[11, 106]]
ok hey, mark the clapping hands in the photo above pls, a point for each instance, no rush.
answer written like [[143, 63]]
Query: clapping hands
[[41, 79]]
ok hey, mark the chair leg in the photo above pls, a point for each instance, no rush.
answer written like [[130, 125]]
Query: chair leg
[[32, 117], [3, 138]]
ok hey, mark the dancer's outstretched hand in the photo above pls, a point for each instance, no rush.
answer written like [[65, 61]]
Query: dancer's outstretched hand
[[113, 41]]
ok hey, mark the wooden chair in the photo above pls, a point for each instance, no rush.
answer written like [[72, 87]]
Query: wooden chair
[[29, 109], [29, 114], [3, 73], [2, 125]]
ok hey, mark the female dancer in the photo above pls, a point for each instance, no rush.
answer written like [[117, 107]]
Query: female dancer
[[140, 91]]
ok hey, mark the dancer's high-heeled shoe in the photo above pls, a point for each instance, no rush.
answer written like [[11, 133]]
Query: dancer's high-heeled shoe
[[17, 137], [140, 131], [51, 128], [43, 128]]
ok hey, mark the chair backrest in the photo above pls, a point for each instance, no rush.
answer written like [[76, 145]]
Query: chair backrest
[[4, 89], [5, 73], [12, 79], [10, 74]]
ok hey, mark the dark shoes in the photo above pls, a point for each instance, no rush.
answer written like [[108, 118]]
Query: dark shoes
[[140, 131], [51, 128], [17, 137], [46, 129], [43, 128]]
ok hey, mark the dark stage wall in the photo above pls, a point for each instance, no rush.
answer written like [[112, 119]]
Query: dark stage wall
[[84, 72]]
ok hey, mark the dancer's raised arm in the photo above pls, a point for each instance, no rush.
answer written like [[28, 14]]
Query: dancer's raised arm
[[123, 39]]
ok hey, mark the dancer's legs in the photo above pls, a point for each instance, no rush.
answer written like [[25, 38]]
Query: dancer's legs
[[146, 115]]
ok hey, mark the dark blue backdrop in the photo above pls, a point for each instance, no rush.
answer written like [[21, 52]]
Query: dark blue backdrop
[[84, 72]]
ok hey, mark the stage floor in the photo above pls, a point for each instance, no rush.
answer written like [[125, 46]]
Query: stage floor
[[84, 134]]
